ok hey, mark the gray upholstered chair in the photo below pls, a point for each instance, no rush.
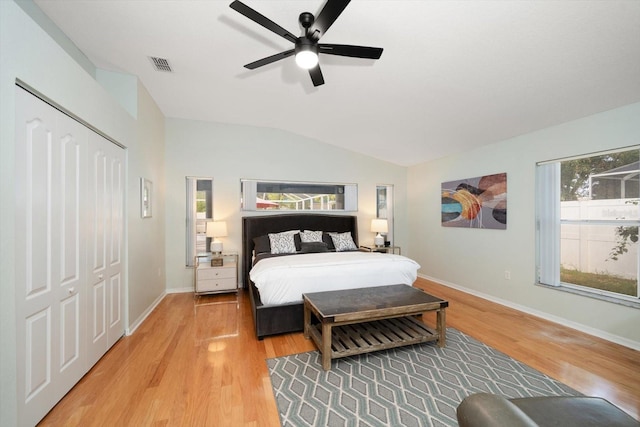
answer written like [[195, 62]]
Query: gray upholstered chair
[[490, 410]]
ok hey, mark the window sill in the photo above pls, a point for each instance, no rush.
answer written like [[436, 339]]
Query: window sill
[[594, 294]]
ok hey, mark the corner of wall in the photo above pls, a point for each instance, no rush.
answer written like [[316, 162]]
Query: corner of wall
[[122, 87], [56, 33]]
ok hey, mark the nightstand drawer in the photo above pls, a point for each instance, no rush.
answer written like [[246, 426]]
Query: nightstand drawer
[[217, 273], [214, 285], [210, 280]]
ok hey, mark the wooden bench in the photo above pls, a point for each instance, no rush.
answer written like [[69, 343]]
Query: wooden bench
[[356, 321]]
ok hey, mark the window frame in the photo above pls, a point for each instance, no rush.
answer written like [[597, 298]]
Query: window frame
[[548, 232], [250, 189], [196, 227], [384, 208]]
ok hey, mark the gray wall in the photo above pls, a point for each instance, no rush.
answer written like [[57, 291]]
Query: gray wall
[[475, 260], [228, 153]]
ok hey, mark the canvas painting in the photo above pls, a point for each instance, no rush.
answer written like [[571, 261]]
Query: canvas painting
[[479, 202]]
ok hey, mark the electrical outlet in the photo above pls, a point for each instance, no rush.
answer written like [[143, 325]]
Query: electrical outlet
[[507, 275]]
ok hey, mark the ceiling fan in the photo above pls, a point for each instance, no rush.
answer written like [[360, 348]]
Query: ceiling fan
[[307, 47]]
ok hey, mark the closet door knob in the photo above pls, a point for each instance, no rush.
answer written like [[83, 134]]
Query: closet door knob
[[71, 291]]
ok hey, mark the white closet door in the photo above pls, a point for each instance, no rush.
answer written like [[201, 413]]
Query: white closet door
[[115, 269], [105, 231], [50, 263]]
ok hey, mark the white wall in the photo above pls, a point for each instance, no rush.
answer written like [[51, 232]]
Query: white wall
[[476, 260], [145, 249], [228, 153], [28, 53], [146, 239]]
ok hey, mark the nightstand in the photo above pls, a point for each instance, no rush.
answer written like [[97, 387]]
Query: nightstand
[[216, 279], [385, 249]]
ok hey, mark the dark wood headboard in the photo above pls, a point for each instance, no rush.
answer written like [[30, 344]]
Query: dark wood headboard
[[256, 226]]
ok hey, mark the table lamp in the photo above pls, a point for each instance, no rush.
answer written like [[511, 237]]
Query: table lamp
[[216, 229], [379, 226]]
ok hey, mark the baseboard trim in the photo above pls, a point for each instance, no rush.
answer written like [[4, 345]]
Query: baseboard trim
[[132, 328], [555, 319], [180, 290]]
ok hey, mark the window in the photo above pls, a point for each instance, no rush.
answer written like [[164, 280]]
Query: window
[[384, 207], [298, 196], [588, 218], [199, 211]]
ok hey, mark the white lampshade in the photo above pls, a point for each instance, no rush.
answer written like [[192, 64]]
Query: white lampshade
[[216, 229], [379, 226]]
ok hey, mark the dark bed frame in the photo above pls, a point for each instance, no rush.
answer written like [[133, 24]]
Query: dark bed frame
[[285, 318]]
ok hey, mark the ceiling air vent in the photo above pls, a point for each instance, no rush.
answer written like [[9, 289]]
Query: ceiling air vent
[[161, 64]]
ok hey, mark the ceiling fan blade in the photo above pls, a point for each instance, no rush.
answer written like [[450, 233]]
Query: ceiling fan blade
[[316, 75], [327, 16], [262, 20], [350, 50], [269, 59]]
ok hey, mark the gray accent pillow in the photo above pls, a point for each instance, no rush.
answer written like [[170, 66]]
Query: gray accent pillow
[[262, 245], [312, 247], [328, 240]]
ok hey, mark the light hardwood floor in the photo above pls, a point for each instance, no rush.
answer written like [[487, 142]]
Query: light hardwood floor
[[196, 362]]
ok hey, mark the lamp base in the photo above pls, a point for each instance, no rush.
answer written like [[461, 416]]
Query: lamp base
[[378, 240], [216, 247]]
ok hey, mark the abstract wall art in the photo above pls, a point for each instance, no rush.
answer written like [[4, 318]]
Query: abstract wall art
[[146, 194], [479, 202]]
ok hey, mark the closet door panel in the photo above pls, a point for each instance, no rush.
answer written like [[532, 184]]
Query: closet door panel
[[116, 325], [35, 310], [116, 177], [69, 246], [97, 234], [39, 151], [116, 228], [38, 363], [70, 333], [105, 230], [69, 194], [98, 343], [49, 257], [97, 211]]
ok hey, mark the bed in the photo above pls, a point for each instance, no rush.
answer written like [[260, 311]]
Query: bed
[[271, 318]]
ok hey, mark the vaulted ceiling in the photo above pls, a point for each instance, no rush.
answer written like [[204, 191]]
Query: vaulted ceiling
[[454, 75]]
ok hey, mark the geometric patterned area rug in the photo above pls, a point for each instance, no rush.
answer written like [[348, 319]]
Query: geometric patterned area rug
[[419, 385]]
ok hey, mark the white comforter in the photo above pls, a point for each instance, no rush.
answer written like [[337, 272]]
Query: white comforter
[[284, 279]]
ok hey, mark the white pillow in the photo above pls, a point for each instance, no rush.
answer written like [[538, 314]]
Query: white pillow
[[283, 243], [343, 241], [289, 232], [311, 236]]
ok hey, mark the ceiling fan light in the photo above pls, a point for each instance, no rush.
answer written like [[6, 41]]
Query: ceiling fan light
[[306, 59]]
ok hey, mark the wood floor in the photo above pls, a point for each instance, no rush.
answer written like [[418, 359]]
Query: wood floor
[[196, 362]]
